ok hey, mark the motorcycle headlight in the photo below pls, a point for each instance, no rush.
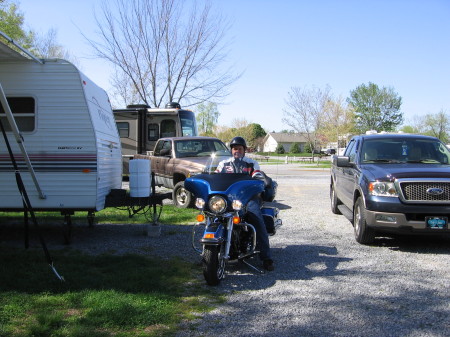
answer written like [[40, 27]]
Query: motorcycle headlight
[[237, 205], [199, 203], [217, 204], [384, 189]]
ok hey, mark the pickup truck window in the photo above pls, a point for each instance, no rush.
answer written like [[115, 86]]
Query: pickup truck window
[[352, 155], [199, 148], [351, 150], [403, 150], [163, 145], [349, 147]]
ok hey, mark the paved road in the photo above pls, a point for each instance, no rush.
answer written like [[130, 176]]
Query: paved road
[[325, 284]]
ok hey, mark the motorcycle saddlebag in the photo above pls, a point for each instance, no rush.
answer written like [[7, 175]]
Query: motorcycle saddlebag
[[270, 188], [270, 214]]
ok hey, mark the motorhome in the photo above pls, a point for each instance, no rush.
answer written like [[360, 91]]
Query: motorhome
[[141, 126], [67, 131]]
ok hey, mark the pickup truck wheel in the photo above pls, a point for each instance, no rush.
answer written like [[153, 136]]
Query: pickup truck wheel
[[182, 198], [335, 202], [363, 234]]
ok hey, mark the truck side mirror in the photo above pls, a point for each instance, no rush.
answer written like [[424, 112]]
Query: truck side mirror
[[342, 161]]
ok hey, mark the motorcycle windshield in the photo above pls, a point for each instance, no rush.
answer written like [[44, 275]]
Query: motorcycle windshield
[[235, 186], [213, 162]]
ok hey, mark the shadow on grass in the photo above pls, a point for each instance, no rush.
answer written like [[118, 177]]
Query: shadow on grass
[[26, 271]]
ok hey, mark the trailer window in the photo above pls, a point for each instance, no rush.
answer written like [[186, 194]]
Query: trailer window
[[168, 128], [23, 109], [152, 132], [124, 129]]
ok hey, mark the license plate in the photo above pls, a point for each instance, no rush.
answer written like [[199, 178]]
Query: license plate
[[436, 222]]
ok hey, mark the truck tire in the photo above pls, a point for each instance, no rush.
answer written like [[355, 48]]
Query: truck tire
[[363, 234], [335, 202], [181, 197]]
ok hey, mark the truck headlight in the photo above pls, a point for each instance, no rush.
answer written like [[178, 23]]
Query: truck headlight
[[217, 204], [385, 189]]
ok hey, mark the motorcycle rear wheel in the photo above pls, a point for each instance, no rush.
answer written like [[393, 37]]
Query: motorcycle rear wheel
[[213, 264]]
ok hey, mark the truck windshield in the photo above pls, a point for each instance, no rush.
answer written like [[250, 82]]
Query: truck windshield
[[404, 150], [200, 148]]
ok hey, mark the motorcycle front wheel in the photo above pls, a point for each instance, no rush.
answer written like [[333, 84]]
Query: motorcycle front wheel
[[213, 264]]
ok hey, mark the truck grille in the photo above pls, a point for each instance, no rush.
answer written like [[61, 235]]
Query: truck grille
[[421, 191]]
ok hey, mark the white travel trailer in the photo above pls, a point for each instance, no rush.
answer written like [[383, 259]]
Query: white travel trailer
[[69, 135]]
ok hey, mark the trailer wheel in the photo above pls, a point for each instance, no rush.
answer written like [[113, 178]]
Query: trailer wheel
[[182, 198]]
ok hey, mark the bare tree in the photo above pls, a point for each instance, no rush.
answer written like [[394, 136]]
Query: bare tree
[[306, 109], [163, 52]]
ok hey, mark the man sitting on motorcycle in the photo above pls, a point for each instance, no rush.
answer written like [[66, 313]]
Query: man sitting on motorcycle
[[238, 163]]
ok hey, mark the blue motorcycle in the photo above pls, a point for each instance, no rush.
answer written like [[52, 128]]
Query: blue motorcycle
[[227, 236]]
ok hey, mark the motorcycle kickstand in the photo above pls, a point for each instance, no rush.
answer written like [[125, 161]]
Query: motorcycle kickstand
[[253, 267]]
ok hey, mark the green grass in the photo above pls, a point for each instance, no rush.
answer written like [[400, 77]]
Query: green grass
[[106, 295], [169, 215]]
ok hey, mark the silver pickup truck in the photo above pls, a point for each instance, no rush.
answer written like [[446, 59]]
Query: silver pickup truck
[[176, 158]]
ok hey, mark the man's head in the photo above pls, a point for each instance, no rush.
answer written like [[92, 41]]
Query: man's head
[[238, 147]]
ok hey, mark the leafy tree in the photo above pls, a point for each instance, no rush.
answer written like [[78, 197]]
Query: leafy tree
[[409, 129], [255, 135], [257, 131], [375, 108], [338, 121], [295, 148], [280, 149], [438, 125], [42, 46], [11, 23], [163, 51], [207, 117]]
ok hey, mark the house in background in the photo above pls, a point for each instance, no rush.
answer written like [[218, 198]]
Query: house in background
[[272, 139]]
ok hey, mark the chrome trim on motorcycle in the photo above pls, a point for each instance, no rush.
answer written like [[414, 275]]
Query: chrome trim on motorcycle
[[194, 241], [229, 229]]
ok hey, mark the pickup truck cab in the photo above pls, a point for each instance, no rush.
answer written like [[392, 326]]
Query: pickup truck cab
[[176, 158], [392, 183]]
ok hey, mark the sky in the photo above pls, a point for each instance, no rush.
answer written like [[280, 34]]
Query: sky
[[282, 44]]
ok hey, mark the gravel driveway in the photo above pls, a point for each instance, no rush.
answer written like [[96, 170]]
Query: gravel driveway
[[325, 284]]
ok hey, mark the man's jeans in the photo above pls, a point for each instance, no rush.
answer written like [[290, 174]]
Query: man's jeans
[[255, 218]]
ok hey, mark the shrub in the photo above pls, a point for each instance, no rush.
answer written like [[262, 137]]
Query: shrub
[[279, 149], [308, 148], [295, 148]]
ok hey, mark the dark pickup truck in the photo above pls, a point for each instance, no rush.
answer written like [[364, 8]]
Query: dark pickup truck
[[176, 158], [392, 183]]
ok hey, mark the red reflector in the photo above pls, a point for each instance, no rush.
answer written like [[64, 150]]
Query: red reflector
[[86, 170]]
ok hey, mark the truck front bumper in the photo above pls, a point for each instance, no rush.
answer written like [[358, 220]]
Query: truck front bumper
[[399, 222]]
